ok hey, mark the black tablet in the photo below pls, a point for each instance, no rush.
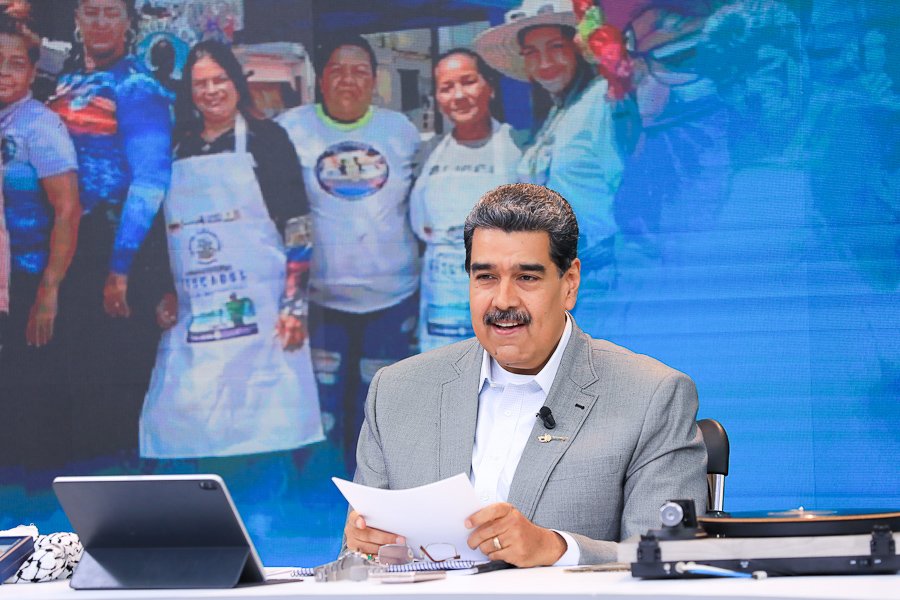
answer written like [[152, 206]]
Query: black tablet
[[157, 531]]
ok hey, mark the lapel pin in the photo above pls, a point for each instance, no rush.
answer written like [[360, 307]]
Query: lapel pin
[[546, 437]]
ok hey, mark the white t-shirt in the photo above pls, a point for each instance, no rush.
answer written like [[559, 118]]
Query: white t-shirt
[[453, 179], [357, 177]]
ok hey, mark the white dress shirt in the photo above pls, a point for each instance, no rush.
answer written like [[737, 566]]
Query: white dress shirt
[[507, 405]]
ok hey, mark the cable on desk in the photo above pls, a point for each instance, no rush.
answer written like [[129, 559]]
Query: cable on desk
[[698, 569]]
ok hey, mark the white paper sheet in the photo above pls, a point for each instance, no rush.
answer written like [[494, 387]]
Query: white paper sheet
[[430, 514]]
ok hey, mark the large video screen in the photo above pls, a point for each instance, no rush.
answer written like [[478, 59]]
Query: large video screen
[[193, 294]]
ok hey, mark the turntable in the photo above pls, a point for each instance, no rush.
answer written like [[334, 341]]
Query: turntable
[[770, 543]]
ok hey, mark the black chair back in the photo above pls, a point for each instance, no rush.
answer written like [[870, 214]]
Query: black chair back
[[717, 453]]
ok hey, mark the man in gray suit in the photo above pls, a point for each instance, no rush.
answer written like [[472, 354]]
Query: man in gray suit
[[625, 439]]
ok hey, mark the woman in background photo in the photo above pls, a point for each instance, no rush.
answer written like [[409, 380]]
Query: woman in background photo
[[476, 156], [233, 383], [580, 146], [42, 211], [118, 117]]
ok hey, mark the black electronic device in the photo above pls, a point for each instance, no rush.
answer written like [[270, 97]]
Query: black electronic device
[[800, 521], [157, 531], [546, 417], [14, 550], [679, 521], [797, 542]]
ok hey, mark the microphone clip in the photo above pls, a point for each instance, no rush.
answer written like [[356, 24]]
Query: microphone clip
[[546, 417]]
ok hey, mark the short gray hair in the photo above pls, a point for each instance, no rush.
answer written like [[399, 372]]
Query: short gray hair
[[527, 207]]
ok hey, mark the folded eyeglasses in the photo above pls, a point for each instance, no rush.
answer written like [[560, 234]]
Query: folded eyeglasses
[[399, 554]]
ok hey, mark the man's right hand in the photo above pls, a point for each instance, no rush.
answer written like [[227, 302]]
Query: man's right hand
[[367, 539]]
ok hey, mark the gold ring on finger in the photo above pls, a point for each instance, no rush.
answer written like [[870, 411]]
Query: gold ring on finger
[[497, 545]]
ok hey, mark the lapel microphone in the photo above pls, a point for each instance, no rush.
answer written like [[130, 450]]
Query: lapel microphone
[[546, 416]]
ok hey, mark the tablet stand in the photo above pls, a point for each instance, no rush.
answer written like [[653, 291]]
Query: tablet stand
[[158, 568]]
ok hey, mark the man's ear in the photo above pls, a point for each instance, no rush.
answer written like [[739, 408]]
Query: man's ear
[[571, 281]]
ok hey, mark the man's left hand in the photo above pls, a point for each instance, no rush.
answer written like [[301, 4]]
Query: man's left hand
[[521, 542]]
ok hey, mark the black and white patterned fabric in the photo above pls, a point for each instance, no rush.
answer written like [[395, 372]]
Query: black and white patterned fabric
[[55, 556]]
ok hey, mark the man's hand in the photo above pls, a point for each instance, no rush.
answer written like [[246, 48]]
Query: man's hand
[[115, 292], [367, 539], [39, 330], [167, 311], [291, 331], [521, 542]]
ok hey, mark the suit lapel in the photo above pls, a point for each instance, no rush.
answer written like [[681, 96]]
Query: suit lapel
[[576, 372], [459, 413]]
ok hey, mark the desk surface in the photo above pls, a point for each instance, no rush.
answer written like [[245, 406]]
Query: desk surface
[[549, 582]]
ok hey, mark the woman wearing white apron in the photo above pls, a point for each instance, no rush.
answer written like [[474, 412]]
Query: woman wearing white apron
[[233, 375], [576, 151], [478, 155]]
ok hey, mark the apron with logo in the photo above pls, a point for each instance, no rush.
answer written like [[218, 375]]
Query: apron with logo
[[222, 384], [444, 316]]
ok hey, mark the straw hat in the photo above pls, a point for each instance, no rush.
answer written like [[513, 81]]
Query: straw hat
[[499, 46]]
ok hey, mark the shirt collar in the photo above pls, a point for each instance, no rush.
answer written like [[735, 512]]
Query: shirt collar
[[546, 375], [341, 126]]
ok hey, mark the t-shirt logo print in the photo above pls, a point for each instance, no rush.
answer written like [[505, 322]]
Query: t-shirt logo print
[[351, 170]]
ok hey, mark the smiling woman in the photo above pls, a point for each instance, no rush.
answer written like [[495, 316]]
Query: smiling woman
[[550, 57], [215, 96], [238, 238], [215, 90], [579, 148], [464, 88], [478, 155]]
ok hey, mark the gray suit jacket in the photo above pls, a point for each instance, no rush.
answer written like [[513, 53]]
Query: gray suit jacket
[[633, 441]]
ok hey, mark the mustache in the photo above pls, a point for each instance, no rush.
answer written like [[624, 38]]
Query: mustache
[[511, 315]]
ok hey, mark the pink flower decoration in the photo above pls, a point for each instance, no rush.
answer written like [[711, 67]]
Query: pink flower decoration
[[607, 44], [580, 7]]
